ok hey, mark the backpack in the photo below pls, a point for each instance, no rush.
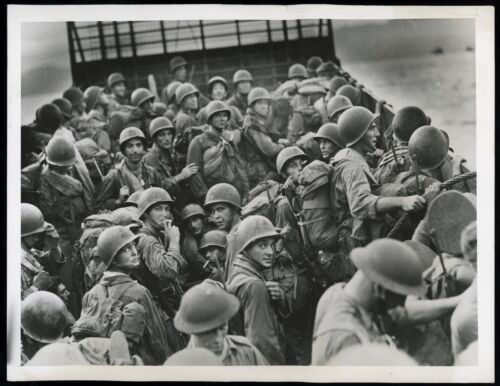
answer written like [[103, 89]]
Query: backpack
[[181, 140], [261, 200], [93, 226]]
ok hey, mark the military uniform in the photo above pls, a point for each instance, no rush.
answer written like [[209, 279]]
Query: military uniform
[[163, 162], [109, 190], [205, 151], [238, 351], [154, 347], [259, 318], [341, 323], [387, 169], [239, 102]]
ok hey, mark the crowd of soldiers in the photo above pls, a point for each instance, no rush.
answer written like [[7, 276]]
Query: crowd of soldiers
[[261, 228]]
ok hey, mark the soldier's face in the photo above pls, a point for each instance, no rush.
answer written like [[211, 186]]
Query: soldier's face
[[157, 215], [33, 241], [244, 87], [147, 106], [261, 107], [212, 340], [222, 216], [127, 258], [219, 120], [369, 140], [262, 252], [119, 89], [190, 102], [134, 150], [218, 91], [293, 168], [180, 74], [215, 253], [327, 149], [164, 139], [195, 225]]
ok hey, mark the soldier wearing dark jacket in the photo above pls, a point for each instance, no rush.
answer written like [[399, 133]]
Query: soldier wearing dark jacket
[[242, 83]]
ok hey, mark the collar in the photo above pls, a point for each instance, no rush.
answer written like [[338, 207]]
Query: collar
[[353, 155], [247, 265]]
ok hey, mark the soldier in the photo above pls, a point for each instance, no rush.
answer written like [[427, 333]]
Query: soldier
[[96, 102], [312, 64], [142, 99], [223, 205], [329, 140], [118, 89], [204, 314], [44, 320], [242, 84], [177, 66], [259, 145], [131, 175], [336, 106], [217, 89], [326, 71], [161, 156], [65, 130], [216, 155], [351, 92], [378, 295], [356, 207], [41, 256], [168, 97], [297, 72], [397, 159], [260, 299], [75, 96], [117, 249], [194, 220], [213, 250]]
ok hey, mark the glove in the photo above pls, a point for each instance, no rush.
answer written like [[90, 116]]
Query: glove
[[43, 281]]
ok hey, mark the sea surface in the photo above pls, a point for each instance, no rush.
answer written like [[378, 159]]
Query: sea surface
[[444, 86]]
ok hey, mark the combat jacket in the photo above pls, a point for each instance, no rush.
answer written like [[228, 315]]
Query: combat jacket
[[387, 169], [163, 162]]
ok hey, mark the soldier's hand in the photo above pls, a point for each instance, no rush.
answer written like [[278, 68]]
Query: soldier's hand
[[172, 233], [44, 281], [274, 290], [188, 171], [412, 203], [124, 193], [284, 141], [432, 191]]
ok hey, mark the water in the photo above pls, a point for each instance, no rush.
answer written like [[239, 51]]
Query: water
[[444, 86]]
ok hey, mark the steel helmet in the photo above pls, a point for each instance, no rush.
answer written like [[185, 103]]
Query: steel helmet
[[193, 356], [158, 109], [64, 105], [60, 152], [215, 107], [44, 316], [407, 120], [337, 105], [297, 71], [204, 307], [216, 79], [115, 78], [91, 96], [287, 154], [223, 193], [253, 228], [176, 62], [351, 92], [171, 88], [152, 196], [330, 131], [192, 210], [111, 240], [59, 354], [130, 133], [160, 123], [215, 238], [242, 76], [74, 95], [132, 200], [326, 67], [336, 82], [32, 221], [392, 265], [428, 147], [258, 93], [313, 63], [49, 117], [184, 90], [371, 354], [424, 253], [354, 123], [141, 95]]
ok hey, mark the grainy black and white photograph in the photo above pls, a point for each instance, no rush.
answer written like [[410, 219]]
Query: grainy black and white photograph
[[279, 190]]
